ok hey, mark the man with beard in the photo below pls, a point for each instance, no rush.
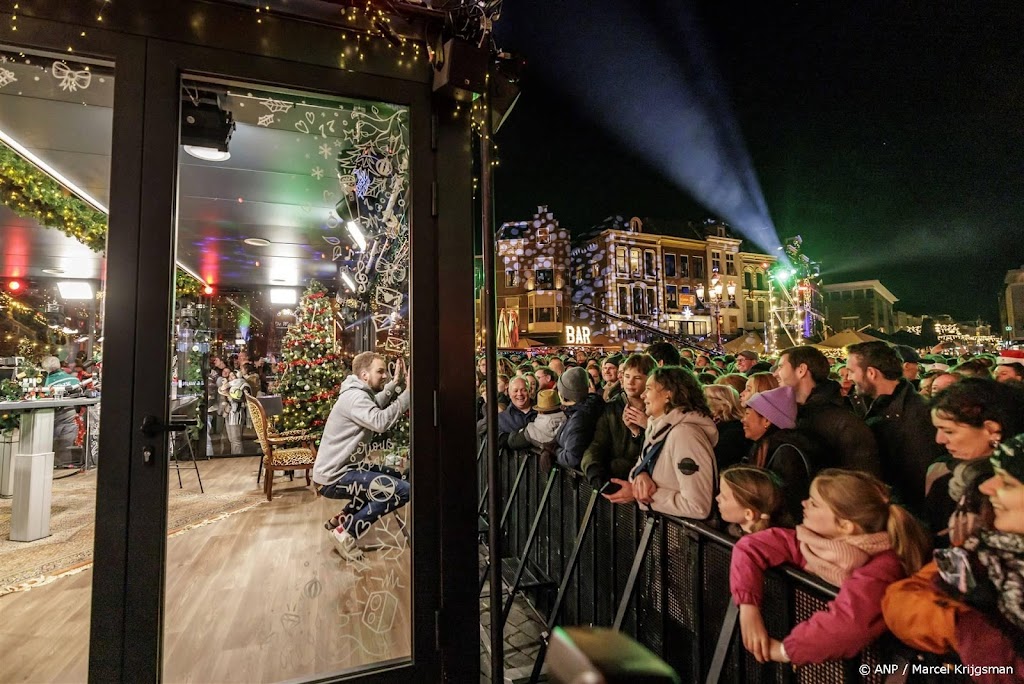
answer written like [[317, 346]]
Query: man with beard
[[367, 405], [610, 375], [898, 416], [847, 441], [619, 435], [546, 378]]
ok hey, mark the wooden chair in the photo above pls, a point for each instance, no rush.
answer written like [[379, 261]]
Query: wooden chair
[[291, 450]]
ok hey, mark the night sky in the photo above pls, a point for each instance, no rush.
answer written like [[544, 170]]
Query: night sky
[[890, 137]]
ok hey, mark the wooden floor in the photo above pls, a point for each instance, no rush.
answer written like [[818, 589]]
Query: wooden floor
[[260, 596]]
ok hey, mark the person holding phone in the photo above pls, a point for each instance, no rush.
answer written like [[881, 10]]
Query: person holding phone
[[676, 471]]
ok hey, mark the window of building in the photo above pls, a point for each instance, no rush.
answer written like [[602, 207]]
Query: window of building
[[733, 324], [638, 301], [761, 311], [684, 266], [543, 235], [652, 301], [545, 277], [748, 281], [670, 265], [760, 280], [716, 261], [847, 295], [512, 277], [620, 261], [634, 262], [685, 289], [671, 298], [750, 310], [698, 267], [870, 294], [698, 328], [858, 294], [730, 264], [650, 264], [852, 322], [595, 270], [578, 273], [623, 300]]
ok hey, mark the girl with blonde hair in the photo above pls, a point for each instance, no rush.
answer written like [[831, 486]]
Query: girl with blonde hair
[[750, 500], [854, 537]]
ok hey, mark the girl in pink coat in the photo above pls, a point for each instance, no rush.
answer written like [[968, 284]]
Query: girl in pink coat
[[854, 537]]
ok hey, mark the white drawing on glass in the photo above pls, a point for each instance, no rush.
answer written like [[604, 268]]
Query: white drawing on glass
[[7, 77], [71, 80], [326, 151], [265, 120], [317, 173], [276, 106]]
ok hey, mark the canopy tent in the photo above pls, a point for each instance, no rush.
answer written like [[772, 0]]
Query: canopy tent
[[750, 342], [846, 338]]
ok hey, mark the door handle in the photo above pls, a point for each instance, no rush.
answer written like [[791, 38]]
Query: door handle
[[153, 426]]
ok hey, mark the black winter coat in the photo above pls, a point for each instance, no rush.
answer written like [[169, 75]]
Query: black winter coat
[[793, 456], [902, 424], [733, 446], [846, 440]]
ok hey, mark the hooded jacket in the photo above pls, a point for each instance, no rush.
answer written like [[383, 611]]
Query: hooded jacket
[[684, 469], [356, 417], [847, 441]]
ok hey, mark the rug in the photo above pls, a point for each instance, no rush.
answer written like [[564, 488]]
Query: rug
[[72, 523]]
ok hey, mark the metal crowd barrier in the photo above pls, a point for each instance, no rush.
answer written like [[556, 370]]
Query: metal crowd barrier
[[681, 597]]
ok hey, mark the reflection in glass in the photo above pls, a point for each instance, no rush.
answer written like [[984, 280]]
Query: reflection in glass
[[55, 140], [291, 372]]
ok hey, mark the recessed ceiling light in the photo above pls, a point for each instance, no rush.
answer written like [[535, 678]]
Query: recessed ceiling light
[[207, 153], [53, 271], [257, 242]]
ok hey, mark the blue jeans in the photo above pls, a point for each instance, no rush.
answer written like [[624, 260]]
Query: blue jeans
[[373, 491]]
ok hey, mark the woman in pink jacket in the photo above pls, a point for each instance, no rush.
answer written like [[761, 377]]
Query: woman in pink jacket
[[675, 473], [854, 537]]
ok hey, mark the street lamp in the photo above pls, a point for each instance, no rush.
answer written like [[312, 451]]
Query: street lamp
[[716, 299]]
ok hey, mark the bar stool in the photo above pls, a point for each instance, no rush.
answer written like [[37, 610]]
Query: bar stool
[[173, 460]]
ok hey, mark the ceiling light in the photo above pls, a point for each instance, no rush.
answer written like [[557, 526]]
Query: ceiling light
[[346, 278], [283, 295], [356, 232], [53, 271], [208, 153], [75, 289], [257, 242]]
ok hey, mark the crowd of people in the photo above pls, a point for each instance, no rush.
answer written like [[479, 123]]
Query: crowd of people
[[897, 478]]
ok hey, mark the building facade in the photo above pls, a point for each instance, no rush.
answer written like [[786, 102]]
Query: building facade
[[860, 304], [533, 285]]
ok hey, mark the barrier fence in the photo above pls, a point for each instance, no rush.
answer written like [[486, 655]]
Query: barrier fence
[[681, 598]]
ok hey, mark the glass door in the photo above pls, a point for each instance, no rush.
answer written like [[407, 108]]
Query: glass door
[[280, 426]]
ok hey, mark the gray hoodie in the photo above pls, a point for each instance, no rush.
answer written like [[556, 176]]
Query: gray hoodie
[[356, 417]]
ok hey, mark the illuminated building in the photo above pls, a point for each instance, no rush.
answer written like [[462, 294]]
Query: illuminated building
[[855, 305]]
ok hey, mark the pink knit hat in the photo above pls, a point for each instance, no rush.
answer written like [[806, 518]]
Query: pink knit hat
[[777, 405]]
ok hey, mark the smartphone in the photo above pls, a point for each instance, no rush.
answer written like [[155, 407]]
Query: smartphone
[[610, 487]]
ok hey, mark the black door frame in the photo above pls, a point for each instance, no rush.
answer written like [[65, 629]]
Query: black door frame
[[166, 63], [128, 53]]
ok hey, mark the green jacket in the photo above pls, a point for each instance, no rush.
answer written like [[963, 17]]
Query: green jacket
[[614, 450]]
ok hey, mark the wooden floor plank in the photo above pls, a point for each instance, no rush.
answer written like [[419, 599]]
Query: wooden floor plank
[[260, 596]]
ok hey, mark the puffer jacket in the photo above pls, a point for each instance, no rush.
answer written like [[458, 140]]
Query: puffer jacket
[[679, 454], [847, 441]]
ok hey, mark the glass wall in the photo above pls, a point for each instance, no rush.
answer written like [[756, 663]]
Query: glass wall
[[290, 377], [55, 142]]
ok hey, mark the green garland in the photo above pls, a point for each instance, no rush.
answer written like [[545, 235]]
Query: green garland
[[9, 391], [31, 193]]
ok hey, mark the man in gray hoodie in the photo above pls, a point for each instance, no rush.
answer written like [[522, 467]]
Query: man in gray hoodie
[[367, 405]]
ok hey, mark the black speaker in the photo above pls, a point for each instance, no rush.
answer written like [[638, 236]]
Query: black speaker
[[461, 71]]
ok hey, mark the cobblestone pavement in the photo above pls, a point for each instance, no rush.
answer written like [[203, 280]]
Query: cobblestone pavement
[[522, 636]]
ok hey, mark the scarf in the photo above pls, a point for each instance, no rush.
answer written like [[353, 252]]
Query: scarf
[[1002, 556], [834, 560], [967, 475]]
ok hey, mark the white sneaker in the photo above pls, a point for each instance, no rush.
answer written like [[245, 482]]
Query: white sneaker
[[346, 545]]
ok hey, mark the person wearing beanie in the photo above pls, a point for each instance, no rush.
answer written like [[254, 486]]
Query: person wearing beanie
[[770, 422], [745, 360], [582, 409]]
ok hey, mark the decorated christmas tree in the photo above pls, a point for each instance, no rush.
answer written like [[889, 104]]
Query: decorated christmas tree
[[311, 370]]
